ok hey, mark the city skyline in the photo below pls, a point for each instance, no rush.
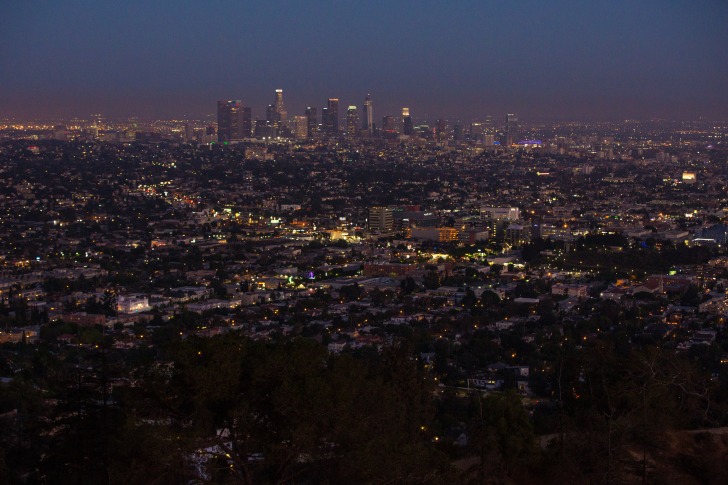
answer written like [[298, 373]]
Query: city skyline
[[567, 61]]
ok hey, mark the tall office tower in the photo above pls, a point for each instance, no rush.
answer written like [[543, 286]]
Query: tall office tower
[[270, 113], [229, 120], [330, 117], [477, 132], [441, 129], [512, 133], [265, 129], [312, 122], [489, 124], [368, 114], [300, 127], [333, 106], [381, 219], [408, 128], [352, 122], [325, 121], [389, 127], [280, 107], [246, 128]]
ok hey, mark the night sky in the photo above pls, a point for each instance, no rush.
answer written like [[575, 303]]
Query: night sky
[[560, 59]]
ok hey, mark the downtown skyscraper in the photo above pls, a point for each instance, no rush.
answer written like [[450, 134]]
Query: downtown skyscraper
[[511, 130], [408, 127], [368, 114], [233, 121], [330, 117], [276, 113], [311, 121], [352, 122], [280, 107]]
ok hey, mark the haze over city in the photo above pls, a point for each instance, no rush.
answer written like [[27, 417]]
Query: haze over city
[[544, 60]]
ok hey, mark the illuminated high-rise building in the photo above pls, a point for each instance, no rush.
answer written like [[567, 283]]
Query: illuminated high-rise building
[[381, 219], [389, 126], [312, 121], [325, 122], [299, 127], [352, 122], [441, 129], [280, 107], [246, 129], [270, 114], [333, 105], [408, 127], [368, 114], [330, 117], [230, 121], [265, 130], [477, 132], [511, 132]]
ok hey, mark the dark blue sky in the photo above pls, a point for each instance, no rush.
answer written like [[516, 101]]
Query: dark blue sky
[[611, 59]]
